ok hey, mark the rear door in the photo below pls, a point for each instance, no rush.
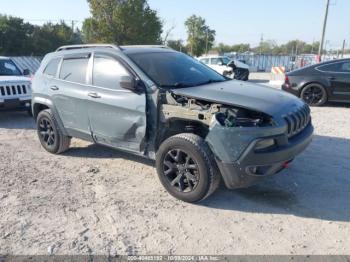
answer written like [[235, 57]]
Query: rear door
[[117, 116], [69, 94], [338, 75]]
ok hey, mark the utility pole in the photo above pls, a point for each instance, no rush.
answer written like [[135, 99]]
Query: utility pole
[[343, 49], [323, 30], [206, 44], [261, 42], [73, 23]]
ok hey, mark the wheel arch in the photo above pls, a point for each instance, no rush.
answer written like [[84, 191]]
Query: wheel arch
[[314, 82], [41, 103], [175, 126]]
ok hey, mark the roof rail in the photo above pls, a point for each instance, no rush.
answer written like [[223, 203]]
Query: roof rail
[[72, 47], [145, 46]]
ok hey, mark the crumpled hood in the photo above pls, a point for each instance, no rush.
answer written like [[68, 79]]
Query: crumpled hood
[[246, 95], [14, 79]]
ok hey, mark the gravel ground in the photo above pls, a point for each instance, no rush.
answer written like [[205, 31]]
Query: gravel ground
[[100, 201]]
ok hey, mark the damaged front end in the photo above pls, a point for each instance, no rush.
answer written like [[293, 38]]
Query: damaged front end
[[248, 145]]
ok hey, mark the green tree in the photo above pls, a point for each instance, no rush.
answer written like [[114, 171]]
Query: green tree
[[177, 45], [50, 36], [122, 22], [200, 37], [19, 38], [240, 48], [223, 48], [15, 36], [267, 47]]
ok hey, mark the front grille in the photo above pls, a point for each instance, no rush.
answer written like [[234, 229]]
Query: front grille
[[297, 120], [10, 90]]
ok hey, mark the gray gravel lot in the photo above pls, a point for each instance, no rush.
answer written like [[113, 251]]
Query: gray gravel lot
[[96, 200]]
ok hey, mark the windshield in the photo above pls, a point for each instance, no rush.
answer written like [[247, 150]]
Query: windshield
[[173, 69], [8, 68], [226, 60]]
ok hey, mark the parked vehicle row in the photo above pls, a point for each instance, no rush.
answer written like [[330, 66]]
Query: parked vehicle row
[[199, 126], [15, 86]]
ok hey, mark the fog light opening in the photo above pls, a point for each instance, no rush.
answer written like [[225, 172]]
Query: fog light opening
[[265, 144]]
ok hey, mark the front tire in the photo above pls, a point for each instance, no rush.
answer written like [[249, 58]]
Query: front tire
[[50, 136], [314, 95], [186, 168]]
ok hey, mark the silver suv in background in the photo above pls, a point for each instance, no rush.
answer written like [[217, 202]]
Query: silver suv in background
[[152, 101], [15, 86]]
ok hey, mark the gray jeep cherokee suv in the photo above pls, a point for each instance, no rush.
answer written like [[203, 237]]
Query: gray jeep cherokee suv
[[164, 105]]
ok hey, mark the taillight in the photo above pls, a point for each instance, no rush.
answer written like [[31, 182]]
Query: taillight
[[286, 80]]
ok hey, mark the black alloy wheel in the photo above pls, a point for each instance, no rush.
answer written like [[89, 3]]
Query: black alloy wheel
[[186, 167], [50, 136], [181, 170], [47, 133], [314, 95]]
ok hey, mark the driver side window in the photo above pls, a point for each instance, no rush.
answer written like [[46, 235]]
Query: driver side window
[[345, 67], [107, 72]]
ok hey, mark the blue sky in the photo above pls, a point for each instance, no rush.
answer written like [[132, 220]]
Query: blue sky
[[235, 21]]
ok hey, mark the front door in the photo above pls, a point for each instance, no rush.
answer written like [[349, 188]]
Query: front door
[[117, 116]]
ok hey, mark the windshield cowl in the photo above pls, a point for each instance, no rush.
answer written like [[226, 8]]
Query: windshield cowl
[[184, 85]]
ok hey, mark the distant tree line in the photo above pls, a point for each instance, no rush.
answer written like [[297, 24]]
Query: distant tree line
[[126, 22], [19, 38], [266, 47]]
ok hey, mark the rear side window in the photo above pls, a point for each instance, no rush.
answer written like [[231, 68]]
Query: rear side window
[[330, 68], [52, 66], [74, 70], [345, 67], [107, 72]]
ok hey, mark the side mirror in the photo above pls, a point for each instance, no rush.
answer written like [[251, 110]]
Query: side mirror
[[220, 63], [127, 82], [232, 65], [26, 72]]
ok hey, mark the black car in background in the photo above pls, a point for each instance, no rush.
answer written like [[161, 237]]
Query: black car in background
[[320, 83]]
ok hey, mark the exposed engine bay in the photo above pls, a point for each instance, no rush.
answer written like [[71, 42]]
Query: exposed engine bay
[[181, 107]]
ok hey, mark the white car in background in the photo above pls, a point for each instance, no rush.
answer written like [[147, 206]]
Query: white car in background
[[226, 66], [15, 86]]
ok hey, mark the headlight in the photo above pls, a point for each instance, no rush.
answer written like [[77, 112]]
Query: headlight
[[238, 117]]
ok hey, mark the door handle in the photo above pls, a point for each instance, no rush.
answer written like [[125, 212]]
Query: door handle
[[54, 88], [94, 95], [332, 78]]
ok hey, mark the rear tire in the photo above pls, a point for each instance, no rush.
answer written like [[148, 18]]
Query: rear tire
[[50, 136], [314, 95], [186, 168]]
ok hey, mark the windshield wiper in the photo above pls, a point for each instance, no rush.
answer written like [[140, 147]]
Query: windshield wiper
[[177, 85]]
